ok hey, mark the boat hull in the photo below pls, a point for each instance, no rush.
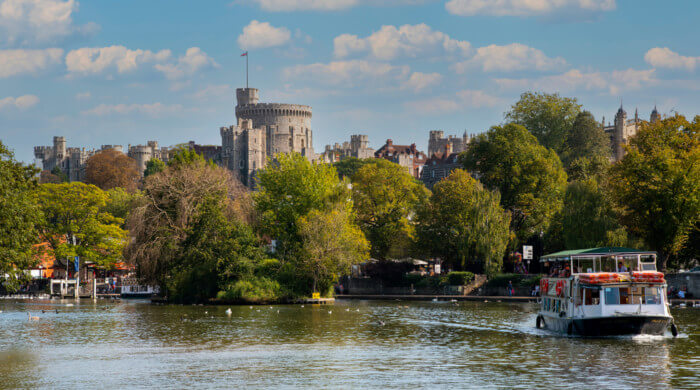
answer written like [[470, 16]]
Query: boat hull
[[609, 326]]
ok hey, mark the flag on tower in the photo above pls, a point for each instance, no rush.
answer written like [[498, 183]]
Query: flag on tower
[[244, 54]]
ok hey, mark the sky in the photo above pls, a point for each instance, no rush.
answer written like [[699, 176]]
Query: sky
[[104, 72]]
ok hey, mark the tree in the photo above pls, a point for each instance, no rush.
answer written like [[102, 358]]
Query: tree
[[657, 184], [153, 166], [48, 177], [586, 152], [75, 223], [465, 225], [190, 231], [586, 220], [529, 177], [56, 171], [549, 117], [348, 166], [186, 156], [290, 187], [332, 244], [19, 214], [386, 198], [110, 169]]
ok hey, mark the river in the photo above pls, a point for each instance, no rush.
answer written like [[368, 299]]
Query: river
[[134, 344]]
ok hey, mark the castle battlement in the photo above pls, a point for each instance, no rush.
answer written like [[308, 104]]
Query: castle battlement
[[274, 109]]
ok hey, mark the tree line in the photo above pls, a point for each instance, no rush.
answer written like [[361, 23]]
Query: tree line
[[544, 176]]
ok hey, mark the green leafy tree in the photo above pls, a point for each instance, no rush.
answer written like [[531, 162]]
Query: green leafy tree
[[657, 184], [76, 224], [348, 166], [153, 166], [529, 177], [19, 215], [587, 220], [186, 156], [549, 117], [332, 244], [290, 187], [586, 152], [190, 231], [60, 174], [465, 225], [386, 198]]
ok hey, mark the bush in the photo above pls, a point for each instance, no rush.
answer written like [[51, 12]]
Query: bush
[[411, 279], [255, 290], [268, 268], [459, 278], [501, 280]]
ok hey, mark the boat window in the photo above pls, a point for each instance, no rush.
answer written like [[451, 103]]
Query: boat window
[[607, 264], [584, 265], [612, 296], [652, 295], [648, 262], [648, 267], [591, 296]]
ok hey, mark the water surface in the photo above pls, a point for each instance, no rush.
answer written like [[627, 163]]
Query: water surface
[[132, 344]]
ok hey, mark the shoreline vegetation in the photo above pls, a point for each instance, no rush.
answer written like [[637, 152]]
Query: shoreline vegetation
[[543, 178]]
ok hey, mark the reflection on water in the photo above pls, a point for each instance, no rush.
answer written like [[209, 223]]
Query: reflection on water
[[351, 344]]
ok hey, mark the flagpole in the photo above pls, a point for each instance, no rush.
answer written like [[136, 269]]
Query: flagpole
[[246, 70]]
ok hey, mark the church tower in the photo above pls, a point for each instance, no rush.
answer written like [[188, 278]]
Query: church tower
[[655, 117], [619, 137]]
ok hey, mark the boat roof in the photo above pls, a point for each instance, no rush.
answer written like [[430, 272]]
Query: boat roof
[[593, 252]]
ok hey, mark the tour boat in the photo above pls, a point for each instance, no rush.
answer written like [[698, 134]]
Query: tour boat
[[606, 291], [138, 291]]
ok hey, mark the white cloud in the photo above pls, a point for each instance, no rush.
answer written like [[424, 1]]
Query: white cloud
[[348, 74], [526, 7], [151, 110], [18, 62], [21, 102], [119, 59], [193, 61], [508, 58], [38, 21], [663, 57], [258, 35], [406, 41], [464, 99], [83, 95], [95, 60], [612, 83], [419, 81]]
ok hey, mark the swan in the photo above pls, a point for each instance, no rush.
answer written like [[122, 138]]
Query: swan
[[228, 311], [31, 317]]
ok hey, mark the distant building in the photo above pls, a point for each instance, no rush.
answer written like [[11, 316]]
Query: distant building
[[623, 129], [358, 147], [72, 161], [408, 156], [439, 165], [437, 142], [144, 153], [264, 130]]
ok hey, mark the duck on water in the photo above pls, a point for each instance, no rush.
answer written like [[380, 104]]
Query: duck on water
[[609, 291]]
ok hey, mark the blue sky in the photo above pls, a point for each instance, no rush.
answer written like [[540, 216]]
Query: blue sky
[[107, 72]]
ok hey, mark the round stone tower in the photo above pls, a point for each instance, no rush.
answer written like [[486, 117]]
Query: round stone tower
[[287, 126]]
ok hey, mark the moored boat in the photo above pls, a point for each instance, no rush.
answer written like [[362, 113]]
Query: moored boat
[[607, 291]]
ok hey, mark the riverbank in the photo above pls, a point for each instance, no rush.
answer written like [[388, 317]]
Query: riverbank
[[449, 298]]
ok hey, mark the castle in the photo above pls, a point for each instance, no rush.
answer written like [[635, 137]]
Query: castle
[[623, 129], [437, 142], [358, 147], [263, 130], [71, 161]]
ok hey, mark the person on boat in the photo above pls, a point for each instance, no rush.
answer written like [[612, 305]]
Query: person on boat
[[621, 267]]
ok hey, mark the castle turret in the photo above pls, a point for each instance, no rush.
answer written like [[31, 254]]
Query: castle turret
[[619, 136], [245, 96], [59, 147]]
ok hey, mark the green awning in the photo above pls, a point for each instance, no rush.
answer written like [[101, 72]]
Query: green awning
[[594, 252]]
